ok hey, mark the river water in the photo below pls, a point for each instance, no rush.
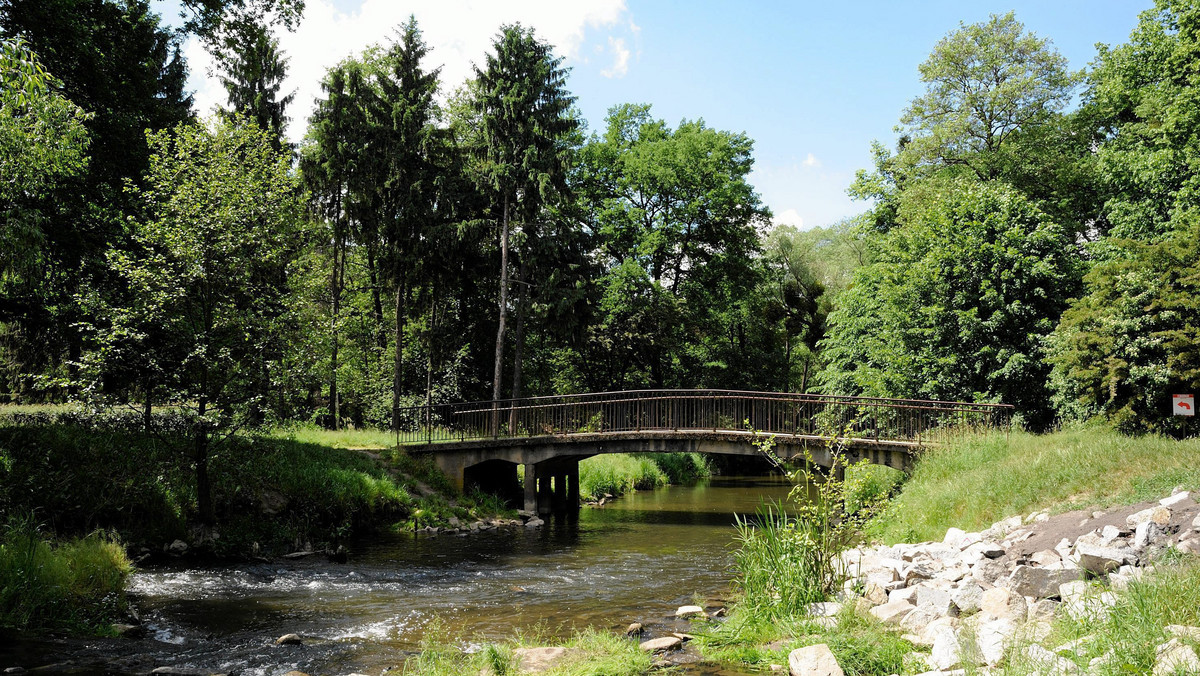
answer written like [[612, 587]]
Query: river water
[[634, 560]]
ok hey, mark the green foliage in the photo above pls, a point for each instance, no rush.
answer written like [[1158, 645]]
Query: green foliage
[[789, 557], [1133, 340], [971, 482], [861, 644], [868, 485], [617, 474], [77, 585], [252, 72], [1169, 595], [957, 304]]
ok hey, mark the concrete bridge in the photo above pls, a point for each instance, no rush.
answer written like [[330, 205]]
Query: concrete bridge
[[482, 444]]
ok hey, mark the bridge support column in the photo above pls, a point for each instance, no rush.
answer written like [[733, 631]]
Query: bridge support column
[[560, 491], [573, 486], [531, 501], [544, 491]]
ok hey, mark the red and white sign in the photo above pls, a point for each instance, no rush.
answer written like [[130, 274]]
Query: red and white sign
[[1183, 404]]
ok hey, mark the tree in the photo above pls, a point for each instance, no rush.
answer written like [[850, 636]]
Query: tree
[[523, 104], [120, 66], [43, 143], [253, 70], [221, 205], [985, 83], [1122, 349], [991, 111], [957, 304], [677, 204], [409, 149]]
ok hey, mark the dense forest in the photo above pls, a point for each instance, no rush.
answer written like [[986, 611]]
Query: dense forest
[[1032, 238]]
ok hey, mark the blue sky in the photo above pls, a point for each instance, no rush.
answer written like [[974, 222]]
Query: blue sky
[[811, 83]]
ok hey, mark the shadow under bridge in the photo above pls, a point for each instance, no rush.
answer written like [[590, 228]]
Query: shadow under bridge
[[481, 444]]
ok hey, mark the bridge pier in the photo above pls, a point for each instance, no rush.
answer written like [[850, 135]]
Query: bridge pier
[[552, 486]]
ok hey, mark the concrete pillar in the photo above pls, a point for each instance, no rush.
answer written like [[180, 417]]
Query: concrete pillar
[[560, 491], [531, 501], [544, 491], [573, 486]]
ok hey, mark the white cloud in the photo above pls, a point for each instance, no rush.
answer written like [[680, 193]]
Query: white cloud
[[620, 58], [458, 32], [789, 217], [812, 161]]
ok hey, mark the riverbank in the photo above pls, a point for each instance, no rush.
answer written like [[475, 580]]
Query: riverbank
[[1035, 554]]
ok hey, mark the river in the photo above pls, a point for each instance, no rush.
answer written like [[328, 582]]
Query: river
[[634, 560]]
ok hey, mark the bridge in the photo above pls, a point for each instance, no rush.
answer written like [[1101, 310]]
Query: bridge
[[481, 444]]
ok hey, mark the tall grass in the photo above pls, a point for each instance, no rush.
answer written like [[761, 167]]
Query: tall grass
[[77, 585], [1171, 595], [620, 473], [971, 482]]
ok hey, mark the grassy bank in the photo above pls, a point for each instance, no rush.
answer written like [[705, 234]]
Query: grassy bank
[[971, 482], [967, 482], [588, 653], [619, 473], [77, 585]]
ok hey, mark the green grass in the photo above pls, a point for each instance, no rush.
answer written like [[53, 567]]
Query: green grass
[[1170, 595], [278, 493], [861, 644], [589, 653], [372, 439], [77, 585], [972, 482], [620, 473]]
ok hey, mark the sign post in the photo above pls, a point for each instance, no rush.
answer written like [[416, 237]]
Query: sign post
[[1183, 404]]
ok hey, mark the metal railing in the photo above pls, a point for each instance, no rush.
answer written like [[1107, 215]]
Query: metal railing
[[811, 415]]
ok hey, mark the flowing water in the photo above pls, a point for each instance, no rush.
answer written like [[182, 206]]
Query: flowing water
[[634, 560]]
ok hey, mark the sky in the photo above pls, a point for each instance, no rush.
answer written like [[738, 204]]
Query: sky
[[812, 83]]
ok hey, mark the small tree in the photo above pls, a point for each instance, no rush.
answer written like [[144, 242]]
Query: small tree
[[221, 204]]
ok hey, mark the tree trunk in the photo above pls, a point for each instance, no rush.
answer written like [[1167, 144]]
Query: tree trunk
[[519, 332], [147, 403], [200, 455], [804, 377], [335, 292], [377, 302], [498, 374], [401, 308]]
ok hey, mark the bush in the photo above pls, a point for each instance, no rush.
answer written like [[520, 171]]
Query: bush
[[77, 585]]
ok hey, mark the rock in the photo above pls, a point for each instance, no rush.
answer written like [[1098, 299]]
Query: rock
[[987, 549], [536, 660], [1000, 603], [1069, 591], [661, 645], [992, 638], [1159, 515], [1110, 533], [1045, 557], [1146, 534], [989, 571], [1077, 646], [1090, 607], [1103, 560], [892, 612], [827, 609], [689, 611], [295, 673], [177, 547], [1097, 664], [185, 671], [534, 523], [635, 629], [1183, 631], [1040, 583], [918, 572], [1048, 663], [289, 639], [1175, 499], [937, 601], [946, 653], [967, 597], [953, 535], [875, 594], [919, 620], [682, 636], [1174, 657], [1043, 610], [1196, 523], [906, 594], [813, 660], [1189, 546], [127, 630]]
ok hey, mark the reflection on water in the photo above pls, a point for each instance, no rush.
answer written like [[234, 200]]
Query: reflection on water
[[634, 560]]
